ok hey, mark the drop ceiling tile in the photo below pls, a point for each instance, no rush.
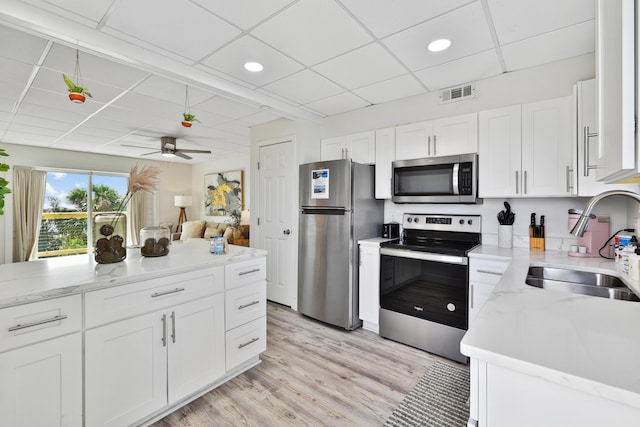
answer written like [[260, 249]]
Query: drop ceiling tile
[[63, 60], [390, 90], [12, 137], [151, 106], [263, 116], [20, 46], [43, 111], [304, 87], [465, 27], [41, 122], [554, 46], [467, 69], [361, 67], [36, 128], [171, 91], [231, 59], [126, 116], [92, 10], [243, 13], [15, 73], [312, 31], [517, 20], [338, 104], [227, 107], [177, 26], [384, 17]]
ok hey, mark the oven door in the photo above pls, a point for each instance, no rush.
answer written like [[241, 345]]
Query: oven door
[[428, 286]]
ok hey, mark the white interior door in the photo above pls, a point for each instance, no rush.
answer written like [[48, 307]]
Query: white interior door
[[278, 175]]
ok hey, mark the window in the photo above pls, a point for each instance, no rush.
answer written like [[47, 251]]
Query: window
[[67, 206]]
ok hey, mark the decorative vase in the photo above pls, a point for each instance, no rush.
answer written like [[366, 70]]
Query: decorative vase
[[110, 237], [505, 236], [186, 124], [77, 97], [155, 241]]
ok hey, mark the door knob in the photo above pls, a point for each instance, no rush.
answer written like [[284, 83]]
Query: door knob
[[287, 232]]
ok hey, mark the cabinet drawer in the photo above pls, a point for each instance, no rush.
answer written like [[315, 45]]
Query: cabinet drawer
[[487, 271], [29, 323], [245, 272], [245, 342], [245, 304], [120, 302]]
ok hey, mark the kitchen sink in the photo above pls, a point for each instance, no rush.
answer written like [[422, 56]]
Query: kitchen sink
[[579, 282]]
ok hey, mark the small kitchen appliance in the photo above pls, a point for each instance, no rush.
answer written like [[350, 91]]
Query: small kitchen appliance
[[595, 236], [391, 230]]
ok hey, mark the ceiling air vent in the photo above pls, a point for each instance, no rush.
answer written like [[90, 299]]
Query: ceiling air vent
[[457, 93]]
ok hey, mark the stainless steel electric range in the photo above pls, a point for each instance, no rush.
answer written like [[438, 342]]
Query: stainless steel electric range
[[424, 282]]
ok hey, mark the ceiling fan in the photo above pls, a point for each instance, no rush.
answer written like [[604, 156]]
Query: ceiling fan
[[168, 148]]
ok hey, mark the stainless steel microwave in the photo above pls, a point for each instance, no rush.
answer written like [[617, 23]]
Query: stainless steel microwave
[[450, 179]]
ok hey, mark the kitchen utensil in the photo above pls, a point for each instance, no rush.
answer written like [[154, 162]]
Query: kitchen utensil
[[506, 217]]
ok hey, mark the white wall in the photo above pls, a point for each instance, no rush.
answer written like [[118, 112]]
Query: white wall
[[175, 178]]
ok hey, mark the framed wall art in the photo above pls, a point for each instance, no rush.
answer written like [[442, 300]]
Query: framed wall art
[[224, 193]]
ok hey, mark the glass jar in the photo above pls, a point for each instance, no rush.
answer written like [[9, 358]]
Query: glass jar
[[109, 237], [154, 241]]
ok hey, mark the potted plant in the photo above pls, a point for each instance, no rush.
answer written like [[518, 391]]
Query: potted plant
[[76, 93], [188, 119], [4, 189]]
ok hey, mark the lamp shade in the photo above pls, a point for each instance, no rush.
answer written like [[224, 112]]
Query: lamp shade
[[182, 201], [244, 218]]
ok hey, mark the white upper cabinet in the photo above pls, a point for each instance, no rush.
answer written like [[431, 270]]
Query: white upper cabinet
[[435, 138], [615, 56], [359, 147], [385, 155], [526, 151]]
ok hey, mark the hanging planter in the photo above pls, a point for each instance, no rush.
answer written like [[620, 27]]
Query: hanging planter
[[188, 118], [76, 91]]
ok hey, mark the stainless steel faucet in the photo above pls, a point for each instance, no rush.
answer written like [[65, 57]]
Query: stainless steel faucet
[[581, 224]]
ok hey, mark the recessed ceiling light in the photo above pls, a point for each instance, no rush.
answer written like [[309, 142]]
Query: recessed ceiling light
[[439, 45], [254, 67]]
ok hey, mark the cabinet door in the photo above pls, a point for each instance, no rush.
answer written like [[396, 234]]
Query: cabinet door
[[546, 148], [616, 88], [369, 286], [500, 149], [196, 338], [41, 384], [413, 141], [385, 155], [455, 135], [361, 147], [126, 370], [484, 274], [332, 148]]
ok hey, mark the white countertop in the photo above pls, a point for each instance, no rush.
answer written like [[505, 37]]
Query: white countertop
[[587, 343], [54, 277]]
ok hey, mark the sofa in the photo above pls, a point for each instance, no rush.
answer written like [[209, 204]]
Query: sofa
[[201, 229]]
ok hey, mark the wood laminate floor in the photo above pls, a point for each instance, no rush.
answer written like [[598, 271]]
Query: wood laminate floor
[[312, 375]]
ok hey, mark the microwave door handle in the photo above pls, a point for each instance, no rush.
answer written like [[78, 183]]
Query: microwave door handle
[[454, 179]]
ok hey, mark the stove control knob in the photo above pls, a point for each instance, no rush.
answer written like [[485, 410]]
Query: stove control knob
[[416, 220], [470, 222], [462, 222], [409, 219]]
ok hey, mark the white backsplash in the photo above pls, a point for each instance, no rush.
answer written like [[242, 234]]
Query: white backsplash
[[555, 211]]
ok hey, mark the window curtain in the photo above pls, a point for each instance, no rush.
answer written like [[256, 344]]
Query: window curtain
[[28, 201], [136, 217]]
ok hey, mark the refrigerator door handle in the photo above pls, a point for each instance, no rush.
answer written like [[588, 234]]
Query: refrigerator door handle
[[307, 210]]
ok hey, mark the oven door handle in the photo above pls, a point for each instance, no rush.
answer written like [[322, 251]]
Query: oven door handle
[[426, 256]]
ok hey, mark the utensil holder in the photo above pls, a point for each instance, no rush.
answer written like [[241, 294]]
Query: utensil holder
[[536, 244], [505, 236]]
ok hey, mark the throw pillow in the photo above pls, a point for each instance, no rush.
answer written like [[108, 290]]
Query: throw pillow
[[210, 232], [192, 229]]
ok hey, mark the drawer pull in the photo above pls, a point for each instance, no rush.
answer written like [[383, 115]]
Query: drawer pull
[[242, 273], [164, 330], [248, 305], [37, 322], [495, 273], [248, 343], [173, 326], [173, 291]]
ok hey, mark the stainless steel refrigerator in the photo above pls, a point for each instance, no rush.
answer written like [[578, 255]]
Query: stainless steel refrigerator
[[337, 208]]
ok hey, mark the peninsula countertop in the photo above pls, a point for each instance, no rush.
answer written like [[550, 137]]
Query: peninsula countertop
[[37, 280], [587, 343]]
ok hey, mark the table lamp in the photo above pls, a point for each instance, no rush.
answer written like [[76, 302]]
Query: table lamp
[[182, 202]]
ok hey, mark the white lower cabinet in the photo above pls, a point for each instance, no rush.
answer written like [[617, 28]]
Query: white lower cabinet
[[137, 366], [41, 364], [369, 284], [484, 274]]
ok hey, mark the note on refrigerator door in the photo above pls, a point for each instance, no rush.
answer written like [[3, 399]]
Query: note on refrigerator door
[[320, 184]]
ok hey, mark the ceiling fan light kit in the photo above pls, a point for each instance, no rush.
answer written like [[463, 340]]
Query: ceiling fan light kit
[[76, 91]]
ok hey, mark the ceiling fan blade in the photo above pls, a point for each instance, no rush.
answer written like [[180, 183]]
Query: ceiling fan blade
[[179, 154], [195, 151], [134, 146], [148, 154]]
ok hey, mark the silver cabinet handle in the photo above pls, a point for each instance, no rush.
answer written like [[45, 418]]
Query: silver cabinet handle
[[434, 145], [471, 296], [240, 307], [248, 343], [173, 327], [524, 182], [496, 273], [37, 322], [517, 184], [286, 232], [173, 291], [242, 273], [587, 136], [429, 145], [569, 186], [164, 330]]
